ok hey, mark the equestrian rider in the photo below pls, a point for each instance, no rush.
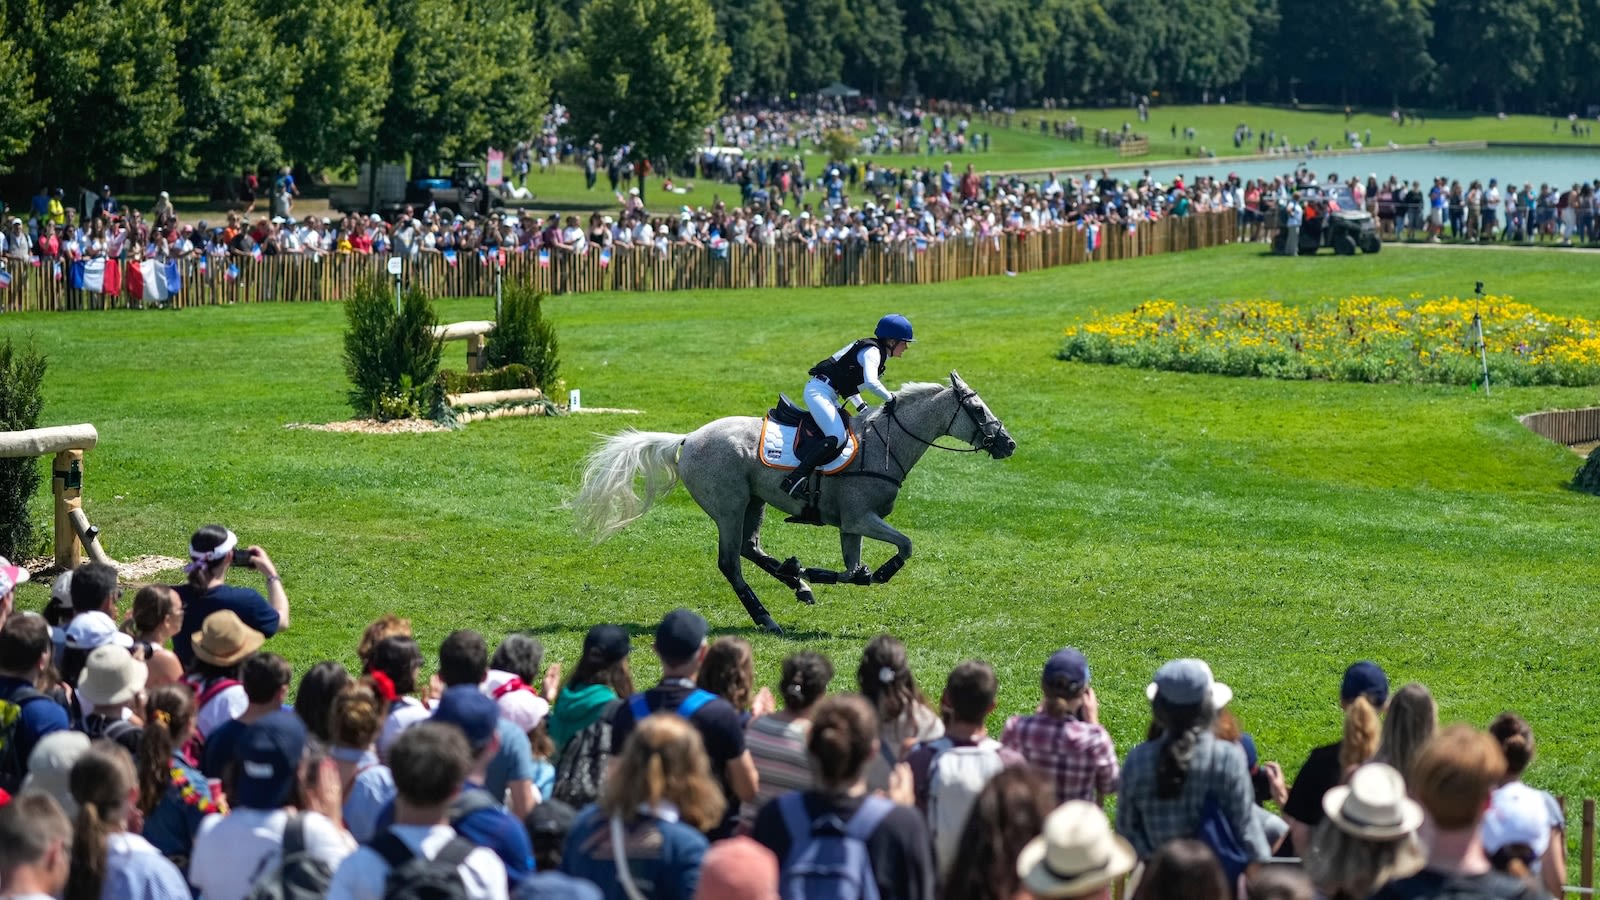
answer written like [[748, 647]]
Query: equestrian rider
[[855, 369]]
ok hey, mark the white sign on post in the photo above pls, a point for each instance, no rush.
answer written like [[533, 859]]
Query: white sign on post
[[574, 399], [394, 266]]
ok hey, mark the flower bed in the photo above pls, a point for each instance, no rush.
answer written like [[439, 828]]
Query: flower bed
[[1374, 339]]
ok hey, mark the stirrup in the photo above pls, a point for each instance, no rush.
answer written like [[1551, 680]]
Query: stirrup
[[794, 483]]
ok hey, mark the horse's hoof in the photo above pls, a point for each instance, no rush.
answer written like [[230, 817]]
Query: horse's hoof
[[860, 576], [769, 625], [790, 567], [804, 595]]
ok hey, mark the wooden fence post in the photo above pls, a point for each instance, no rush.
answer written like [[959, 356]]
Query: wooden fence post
[[1586, 846], [67, 485]]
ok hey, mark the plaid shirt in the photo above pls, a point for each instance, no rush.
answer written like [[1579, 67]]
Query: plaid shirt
[[1077, 757], [1216, 767]]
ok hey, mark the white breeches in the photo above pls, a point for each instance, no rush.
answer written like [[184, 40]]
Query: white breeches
[[823, 403]]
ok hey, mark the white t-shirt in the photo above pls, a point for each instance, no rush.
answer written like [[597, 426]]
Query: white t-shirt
[[230, 703], [408, 713], [362, 874], [233, 852]]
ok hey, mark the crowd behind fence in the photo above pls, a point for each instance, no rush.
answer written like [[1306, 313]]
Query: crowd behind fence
[[684, 267]]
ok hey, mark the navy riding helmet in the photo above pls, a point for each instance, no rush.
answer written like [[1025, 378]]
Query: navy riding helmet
[[894, 327]]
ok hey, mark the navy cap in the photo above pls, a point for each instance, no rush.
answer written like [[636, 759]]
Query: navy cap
[[556, 886], [470, 710], [551, 818], [681, 634], [607, 643], [1365, 678], [1068, 664], [268, 760]]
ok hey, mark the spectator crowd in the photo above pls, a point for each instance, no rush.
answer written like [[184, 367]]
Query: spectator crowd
[[149, 750]]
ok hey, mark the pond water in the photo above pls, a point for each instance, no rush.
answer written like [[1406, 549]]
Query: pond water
[[1508, 164]]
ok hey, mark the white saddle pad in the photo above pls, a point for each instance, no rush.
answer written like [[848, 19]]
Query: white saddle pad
[[777, 448]]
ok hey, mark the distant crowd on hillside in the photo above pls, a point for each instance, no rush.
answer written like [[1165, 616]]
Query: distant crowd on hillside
[[151, 751]]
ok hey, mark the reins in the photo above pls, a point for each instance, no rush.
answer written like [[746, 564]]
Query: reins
[[888, 448]]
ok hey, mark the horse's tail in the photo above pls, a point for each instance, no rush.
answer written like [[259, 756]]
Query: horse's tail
[[606, 502]]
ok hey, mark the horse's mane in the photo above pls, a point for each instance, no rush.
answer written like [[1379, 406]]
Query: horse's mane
[[910, 392]]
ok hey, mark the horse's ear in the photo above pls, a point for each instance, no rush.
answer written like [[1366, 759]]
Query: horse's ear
[[956, 382]]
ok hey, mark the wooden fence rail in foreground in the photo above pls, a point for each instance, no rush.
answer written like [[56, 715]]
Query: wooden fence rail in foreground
[[680, 268], [66, 443]]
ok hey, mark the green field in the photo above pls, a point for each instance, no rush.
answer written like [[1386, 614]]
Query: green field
[[1278, 529]]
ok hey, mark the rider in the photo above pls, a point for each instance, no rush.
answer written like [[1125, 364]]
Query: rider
[[854, 369]]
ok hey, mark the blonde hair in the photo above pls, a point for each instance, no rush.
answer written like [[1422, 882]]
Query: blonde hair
[[1361, 734], [1407, 727], [1346, 867], [664, 760]]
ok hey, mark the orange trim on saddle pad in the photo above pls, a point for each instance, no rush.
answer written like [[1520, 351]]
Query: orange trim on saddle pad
[[776, 449]]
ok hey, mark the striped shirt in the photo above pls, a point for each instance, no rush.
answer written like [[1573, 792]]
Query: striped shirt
[[777, 744]]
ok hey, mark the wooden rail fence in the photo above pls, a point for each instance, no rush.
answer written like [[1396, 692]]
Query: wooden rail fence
[[1566, 426], [684, 267]]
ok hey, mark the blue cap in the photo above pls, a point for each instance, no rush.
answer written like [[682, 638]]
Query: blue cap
[[470, 710], [1067, 664], [680, 635], [268, 760], [1365, 678], [556, 886]]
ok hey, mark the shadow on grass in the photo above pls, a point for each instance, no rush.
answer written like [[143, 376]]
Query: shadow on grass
[[645, 635]]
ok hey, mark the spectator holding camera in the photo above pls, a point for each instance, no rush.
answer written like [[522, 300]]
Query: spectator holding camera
[[213, 550], [1064, 739]]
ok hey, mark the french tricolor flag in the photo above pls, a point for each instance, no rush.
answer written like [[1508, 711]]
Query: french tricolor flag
[[5, 280], [151, 280], [605, 257], [232, 274], [97, 276], [544, 257], [1092, 242], [450, 258]]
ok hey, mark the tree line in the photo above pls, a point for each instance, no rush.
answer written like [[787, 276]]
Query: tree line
[[199, 89]]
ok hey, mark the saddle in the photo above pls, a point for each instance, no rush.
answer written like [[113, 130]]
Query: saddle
[[789, 433]]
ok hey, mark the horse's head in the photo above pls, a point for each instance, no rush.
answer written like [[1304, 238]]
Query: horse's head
[[988, 432]]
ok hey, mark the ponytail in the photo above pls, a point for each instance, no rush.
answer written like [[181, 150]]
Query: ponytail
[[1361, 732], [169, 713], [100, 782], [1182, 727]]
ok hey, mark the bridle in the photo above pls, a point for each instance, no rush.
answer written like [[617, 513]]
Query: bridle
[[988, 427]]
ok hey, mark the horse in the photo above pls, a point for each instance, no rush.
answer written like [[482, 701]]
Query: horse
[[720, 465]]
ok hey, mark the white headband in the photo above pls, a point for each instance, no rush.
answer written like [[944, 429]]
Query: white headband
[[202, 557]]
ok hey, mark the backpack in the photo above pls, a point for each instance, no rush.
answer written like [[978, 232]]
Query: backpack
[[828, 858], [581, 770], [299, 875], [691, 704], [13, 765], [1216, 831], [195, 748], [415, 877], [956, 775]]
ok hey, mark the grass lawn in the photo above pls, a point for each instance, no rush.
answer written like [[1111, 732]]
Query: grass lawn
[[1278, 529]]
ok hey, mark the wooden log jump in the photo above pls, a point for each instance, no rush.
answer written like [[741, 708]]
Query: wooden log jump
[[471, 332], [67, 442]]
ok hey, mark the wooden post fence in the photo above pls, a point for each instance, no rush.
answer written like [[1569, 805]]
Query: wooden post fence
[[306, 278], [67, 442]]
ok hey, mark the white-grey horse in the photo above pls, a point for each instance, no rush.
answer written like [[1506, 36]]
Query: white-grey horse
[[720, 464]]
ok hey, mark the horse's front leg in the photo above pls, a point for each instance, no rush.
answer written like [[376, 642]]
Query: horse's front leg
[[873, 526], [751, 549]]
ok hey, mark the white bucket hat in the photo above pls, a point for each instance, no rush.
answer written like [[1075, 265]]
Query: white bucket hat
[[1373, 805], [111, 676], [1075, 853]]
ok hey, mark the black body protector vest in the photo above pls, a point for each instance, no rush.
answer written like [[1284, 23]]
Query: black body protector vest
[[843, 370]]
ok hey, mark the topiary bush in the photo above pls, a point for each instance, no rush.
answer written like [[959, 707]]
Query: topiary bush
[[521, 336], [392, 359], [21, 400]]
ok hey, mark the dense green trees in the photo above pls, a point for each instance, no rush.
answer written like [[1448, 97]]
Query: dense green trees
[[95, 88]]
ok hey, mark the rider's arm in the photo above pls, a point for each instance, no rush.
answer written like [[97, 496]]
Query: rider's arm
[[870, 357]]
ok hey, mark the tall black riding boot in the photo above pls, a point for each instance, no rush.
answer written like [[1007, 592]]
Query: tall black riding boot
[[823, 451]]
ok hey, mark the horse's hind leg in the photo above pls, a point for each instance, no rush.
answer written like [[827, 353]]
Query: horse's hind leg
[[729, 539], [751, 550]]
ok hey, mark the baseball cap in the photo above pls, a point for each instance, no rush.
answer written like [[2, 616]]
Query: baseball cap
[[556, 886], [1068, 664], [268, 759], [681, 634], [50, 766], [466, 707], [1365, 677], [1516, 815], [95, 629], [551, 818], [607, 643], [61, 594], [11, 576], [1185, 682]]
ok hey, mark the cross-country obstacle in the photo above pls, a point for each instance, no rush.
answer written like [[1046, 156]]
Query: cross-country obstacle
[[475, 406], [74, 534]]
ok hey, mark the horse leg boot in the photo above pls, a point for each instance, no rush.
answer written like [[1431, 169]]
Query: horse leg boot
[[758, 612], [728, 557]]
